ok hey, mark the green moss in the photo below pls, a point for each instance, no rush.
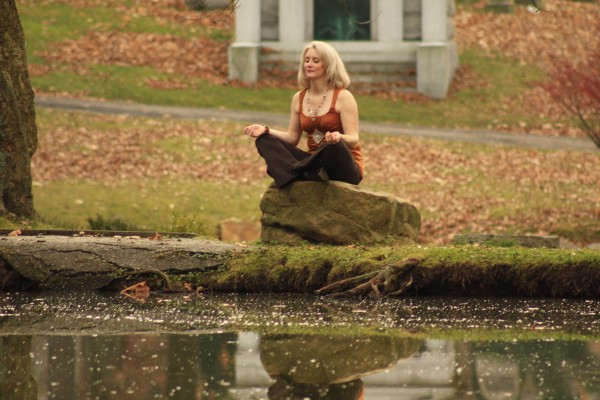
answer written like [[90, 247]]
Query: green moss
[[297, 268], [445, 270], [507, 335]]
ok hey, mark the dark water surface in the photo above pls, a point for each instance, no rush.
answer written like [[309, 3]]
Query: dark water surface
[[107, 346]]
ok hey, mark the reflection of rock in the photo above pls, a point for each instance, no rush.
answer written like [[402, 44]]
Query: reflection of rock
[[331, 359]]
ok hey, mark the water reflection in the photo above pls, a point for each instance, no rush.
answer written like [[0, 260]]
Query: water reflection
[[100, 348], [118, 367], [251, 366], [16, 379], [530, 369]]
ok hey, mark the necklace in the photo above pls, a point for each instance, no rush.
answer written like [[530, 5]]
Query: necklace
[[315, 113], [316, 135]]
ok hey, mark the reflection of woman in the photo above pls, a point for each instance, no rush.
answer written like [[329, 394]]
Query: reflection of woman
[[284, 389], [328, 113]]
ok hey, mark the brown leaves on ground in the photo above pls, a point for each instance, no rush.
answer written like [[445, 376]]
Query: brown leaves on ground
[[200, 57], [532, 38], [570, 31], [143, 151], [457, 187]]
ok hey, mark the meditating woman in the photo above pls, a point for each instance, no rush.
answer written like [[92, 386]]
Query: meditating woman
[[328, 113]]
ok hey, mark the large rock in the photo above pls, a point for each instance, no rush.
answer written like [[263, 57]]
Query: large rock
[[337, 213]]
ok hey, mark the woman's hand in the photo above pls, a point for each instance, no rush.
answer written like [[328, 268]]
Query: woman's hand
[[333, 137], [255, 130]]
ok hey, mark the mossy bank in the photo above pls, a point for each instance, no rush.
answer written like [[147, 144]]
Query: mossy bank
[[441, 270], [173, 264]]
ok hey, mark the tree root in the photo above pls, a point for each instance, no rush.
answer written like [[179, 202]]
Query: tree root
[[392, 280]]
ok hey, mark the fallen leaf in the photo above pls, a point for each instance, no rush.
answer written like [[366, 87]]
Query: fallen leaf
[[140, 291], [156, 236]]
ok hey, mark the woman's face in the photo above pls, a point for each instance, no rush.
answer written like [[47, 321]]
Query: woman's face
[[313, 65]]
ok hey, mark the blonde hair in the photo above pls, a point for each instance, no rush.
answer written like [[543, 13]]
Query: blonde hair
[[337, 77]]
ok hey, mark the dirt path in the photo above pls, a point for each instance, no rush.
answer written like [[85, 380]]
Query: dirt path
[[480, 137]]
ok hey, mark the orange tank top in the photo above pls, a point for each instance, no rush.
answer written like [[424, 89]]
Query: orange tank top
[[328, 122]]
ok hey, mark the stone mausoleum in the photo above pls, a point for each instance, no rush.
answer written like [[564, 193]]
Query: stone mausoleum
[[379, 40]]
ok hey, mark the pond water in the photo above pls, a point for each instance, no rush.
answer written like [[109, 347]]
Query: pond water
[[107, 346]]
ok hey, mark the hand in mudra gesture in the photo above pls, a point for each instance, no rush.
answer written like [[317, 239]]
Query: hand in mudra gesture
[[255, 130], [333, 137]]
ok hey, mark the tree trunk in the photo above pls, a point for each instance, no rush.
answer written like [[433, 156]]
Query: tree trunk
[[18, 131]]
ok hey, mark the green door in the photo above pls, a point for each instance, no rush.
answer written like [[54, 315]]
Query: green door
[[342, 19]]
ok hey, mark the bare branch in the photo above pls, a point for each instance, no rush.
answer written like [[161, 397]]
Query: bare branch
[[536, 8], [352, 19]]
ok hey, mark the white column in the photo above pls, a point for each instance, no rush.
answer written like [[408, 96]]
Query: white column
[[433, 69], [389, 17], [434, 18], [437, 55], [247, 21], [292, 21], [244, 53]]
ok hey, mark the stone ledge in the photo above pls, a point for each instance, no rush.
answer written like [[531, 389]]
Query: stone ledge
[[509, 240]]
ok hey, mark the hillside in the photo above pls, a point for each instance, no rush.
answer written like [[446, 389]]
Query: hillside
[[158, 173], [533, 40]]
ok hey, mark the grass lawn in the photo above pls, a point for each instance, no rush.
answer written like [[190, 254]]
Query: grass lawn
[[180, 205]]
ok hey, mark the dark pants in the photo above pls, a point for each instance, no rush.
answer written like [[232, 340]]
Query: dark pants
[[286, 163]]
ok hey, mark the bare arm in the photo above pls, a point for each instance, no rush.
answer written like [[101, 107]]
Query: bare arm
[[291, 136], [348, 109]]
